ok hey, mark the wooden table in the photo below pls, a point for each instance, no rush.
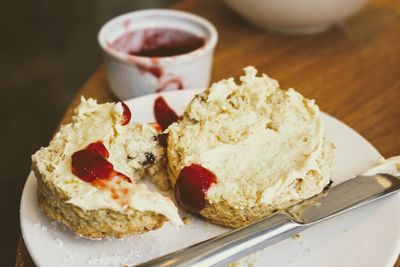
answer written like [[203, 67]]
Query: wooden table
[[352, 71]]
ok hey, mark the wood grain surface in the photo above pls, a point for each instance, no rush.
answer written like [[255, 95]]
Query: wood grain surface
[[352, 71]]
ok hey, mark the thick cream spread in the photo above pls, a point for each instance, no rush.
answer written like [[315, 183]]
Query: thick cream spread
[[389, 166], [258, 140], [93, 122]]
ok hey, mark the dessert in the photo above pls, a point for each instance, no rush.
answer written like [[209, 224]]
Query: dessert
[[89, 176], [243, 151]]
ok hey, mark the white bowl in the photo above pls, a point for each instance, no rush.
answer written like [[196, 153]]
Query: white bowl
[[131, 76], [295, 16]]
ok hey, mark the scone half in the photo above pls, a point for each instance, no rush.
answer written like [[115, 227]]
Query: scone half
[[243, 151], [90, 176]]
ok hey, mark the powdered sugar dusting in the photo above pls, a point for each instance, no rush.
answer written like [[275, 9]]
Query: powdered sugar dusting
[[145, 252], [115, 259], [70, 256], [59, 242]]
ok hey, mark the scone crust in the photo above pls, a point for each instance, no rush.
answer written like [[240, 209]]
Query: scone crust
[[94, 224]]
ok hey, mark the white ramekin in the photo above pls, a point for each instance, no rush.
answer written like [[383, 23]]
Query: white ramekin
[[128, 74]]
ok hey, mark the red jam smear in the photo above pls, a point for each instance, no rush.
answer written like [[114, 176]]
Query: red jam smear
[[91, 165], [192, 185], [170, 84], [99, 148], [126, 114], [163, 139], [156, 71], [165, 116], [158, 42]]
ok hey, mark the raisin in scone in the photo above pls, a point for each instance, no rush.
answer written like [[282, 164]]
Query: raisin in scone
[[88, 177], [243, 151]]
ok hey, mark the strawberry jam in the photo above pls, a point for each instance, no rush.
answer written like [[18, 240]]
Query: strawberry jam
[[192, 185], [167, 84], [156, 71], [158, 42], [165, 116], [98, 148], [163, 139], [126, 114], [91, 165]]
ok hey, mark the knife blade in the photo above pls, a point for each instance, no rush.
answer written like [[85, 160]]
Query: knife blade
[[233, 245]]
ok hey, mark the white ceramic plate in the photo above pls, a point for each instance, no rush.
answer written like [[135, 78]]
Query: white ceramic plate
[[369, 236]]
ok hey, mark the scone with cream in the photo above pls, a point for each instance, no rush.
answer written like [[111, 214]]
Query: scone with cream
[[243, 151], [88, 177]]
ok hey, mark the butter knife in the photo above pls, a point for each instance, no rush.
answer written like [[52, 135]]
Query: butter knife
[[233, 245]]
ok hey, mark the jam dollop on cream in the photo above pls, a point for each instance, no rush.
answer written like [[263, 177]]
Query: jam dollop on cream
[[126, 114], [164, 114], [192, 186], [158, 42], [91, 165]]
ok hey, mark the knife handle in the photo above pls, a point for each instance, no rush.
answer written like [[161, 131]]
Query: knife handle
[[233, 245]]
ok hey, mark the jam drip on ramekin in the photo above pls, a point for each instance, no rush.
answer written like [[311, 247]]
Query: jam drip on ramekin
[[192, 186]]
